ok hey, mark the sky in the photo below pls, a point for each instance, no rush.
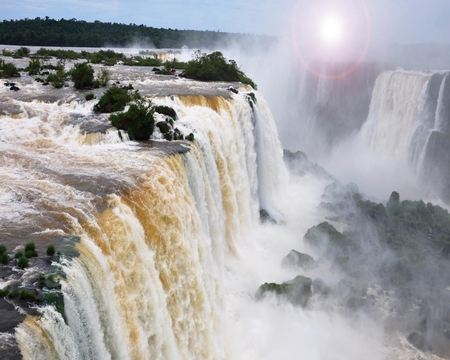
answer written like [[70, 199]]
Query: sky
[[391, 21]]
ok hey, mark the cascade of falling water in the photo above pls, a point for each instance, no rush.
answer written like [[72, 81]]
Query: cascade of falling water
[[147, 283]]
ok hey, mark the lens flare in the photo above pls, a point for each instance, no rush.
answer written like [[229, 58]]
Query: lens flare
[[320, 36], [331, 29]]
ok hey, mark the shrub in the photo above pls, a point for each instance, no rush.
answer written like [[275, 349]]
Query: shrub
[[190, 137], [41, 277], [214, 67], [114, 99], [22, 52], [2, 249], [4, 292], [4, 258], [22, 262], [34, 67], [27, 295], [103, 77], [31, 253], [18, 255], [31, 246], [83, 76], [8, 69], [138, 121], [13, 294], [50, 250]]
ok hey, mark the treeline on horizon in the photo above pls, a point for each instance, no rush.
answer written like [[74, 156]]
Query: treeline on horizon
[[80, 33]]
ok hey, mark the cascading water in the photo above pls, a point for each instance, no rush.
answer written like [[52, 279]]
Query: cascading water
[[154, 225], [407, 114]]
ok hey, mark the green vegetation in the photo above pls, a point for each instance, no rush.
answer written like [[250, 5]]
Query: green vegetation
[[18, 255], [57, 79], [34, 67], [83, 76], [50, 250], [166, 110], [103, 78], [23, 262], [58, 53], [27, 295], [13, 294], [325, 234], [72, 32], [138, 121], [175, 64], [4, 258], [214, 67], [298, 290], [114, 99], [8, 69], [57, 300], [4, 292], [30, 250]]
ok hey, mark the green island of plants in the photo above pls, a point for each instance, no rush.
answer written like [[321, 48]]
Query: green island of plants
[[214, 67]]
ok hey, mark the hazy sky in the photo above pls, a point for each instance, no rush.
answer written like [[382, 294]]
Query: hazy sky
[[404, 21]]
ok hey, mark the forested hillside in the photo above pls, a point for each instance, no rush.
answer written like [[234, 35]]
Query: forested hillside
[[79, 33]]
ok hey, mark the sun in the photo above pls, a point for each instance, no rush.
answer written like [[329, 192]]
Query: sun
[[331, 29]]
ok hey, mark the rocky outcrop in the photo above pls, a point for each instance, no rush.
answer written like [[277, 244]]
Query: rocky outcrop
[[299, 260], [297, 291]]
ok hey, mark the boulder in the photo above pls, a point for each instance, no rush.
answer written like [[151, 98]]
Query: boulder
[[319, 287], [163, 126], [14, 88], [297, 291], [299, 260], [265, 217], [326, 237], [418, 341]]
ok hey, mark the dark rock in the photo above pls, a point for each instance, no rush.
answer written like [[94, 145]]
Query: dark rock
[[163, 126], [45, 83], [165, 110], [326, 237], [344, 289], [265, 217], [320, 287], [418, 341], [233, 90], [14, 88], [356, 303], [297, 291], [446, 252], [299, 260], [10, 317]]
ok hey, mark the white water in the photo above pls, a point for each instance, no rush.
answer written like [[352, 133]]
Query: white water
[[171, 250]]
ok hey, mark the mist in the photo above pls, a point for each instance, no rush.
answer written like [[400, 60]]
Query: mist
[[370, 113]]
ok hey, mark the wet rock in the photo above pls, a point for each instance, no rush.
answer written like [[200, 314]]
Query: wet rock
[[299, 260], [297, 291], [14, 88], [320, 287], [418, 341], [10, 317], [233, 90], [163, 126], [265, 217]]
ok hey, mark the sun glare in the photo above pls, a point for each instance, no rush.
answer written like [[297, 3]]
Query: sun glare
[[331, 29]]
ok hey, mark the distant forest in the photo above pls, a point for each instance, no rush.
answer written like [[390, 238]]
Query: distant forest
[[79, 33]]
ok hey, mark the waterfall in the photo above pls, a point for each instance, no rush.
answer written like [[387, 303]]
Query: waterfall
[[408, 112], [155, 227]]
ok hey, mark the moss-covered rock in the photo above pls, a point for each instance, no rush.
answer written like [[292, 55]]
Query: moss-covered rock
[[297, 291], [166, 110], [325, 236]]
